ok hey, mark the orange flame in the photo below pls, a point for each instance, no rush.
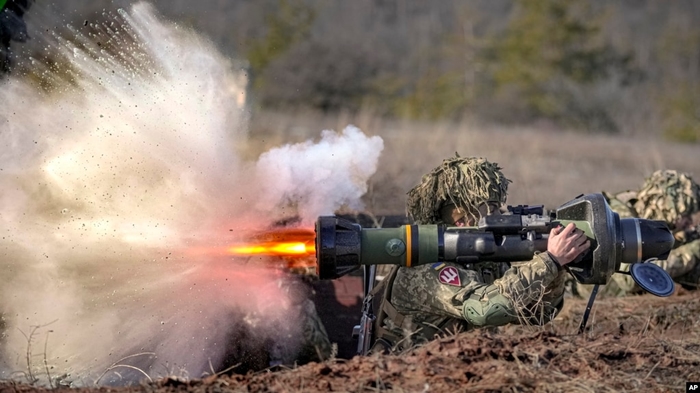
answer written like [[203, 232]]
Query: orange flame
[[296, 246], [277, 249]]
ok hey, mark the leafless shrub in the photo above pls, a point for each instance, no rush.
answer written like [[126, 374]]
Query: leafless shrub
[[30, 374]]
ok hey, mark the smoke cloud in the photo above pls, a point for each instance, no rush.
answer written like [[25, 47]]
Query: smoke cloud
[[119, 187], [320, 177]]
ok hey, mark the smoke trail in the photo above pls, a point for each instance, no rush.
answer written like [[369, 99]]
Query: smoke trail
[[111, 187]]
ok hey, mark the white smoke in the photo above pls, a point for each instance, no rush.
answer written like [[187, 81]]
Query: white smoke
[[320, 177], [117, 192]]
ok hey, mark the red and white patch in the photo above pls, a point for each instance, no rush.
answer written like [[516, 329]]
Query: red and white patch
[[450, 276]]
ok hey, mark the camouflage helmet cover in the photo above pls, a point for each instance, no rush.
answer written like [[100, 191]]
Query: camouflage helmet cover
[[465, 182], [668, 195]]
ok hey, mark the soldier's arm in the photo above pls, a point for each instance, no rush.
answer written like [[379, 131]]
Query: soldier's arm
[[682, 260], [420, 289], [532, 291], [529, 291]]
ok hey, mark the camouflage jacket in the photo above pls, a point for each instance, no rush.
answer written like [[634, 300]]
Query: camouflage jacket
[[443, 298]]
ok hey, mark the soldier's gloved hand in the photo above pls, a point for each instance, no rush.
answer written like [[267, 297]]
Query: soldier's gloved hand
[[565, 244]]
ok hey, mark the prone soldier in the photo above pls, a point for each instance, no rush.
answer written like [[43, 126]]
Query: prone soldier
[[670, 196], [419, 303]]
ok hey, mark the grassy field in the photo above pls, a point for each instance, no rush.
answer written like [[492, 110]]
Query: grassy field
[[547, 166]]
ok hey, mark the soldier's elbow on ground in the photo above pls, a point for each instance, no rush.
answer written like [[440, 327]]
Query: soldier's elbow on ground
[[493, 312]]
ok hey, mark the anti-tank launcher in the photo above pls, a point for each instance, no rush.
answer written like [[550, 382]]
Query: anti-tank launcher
[[342, 246]]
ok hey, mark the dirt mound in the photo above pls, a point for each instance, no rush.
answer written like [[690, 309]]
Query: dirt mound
[[640, 343]]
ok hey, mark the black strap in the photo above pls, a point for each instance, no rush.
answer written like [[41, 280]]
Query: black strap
[[386, 310], [589, 306]]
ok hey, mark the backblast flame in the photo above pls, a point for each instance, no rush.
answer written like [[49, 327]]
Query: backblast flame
[[295, 245], [276, 249]]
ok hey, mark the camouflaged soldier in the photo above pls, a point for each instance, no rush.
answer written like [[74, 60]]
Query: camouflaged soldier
[[672, 197], [314, 344], [421, 302], [12, 28], [299, 339]]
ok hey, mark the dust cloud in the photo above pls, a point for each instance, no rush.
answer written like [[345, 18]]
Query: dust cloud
[[120, 187]]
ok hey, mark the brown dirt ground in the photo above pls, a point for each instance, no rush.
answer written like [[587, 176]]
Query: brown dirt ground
[[640, 343]]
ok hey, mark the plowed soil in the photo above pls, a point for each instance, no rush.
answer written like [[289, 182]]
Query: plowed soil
[[640, 343]]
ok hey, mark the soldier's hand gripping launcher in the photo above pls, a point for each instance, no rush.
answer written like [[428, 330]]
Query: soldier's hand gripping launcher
[[342, 246]]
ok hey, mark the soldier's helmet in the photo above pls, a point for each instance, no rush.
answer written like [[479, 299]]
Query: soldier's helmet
[[466, 182], [668, 195]]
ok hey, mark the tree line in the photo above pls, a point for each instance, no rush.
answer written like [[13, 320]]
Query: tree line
[[613, 66]]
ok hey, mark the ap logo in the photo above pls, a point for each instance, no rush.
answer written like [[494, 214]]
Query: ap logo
[[692, 386]]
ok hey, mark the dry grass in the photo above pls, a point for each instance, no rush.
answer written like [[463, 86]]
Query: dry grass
[[638, 343], [547, 167], [654, 351]]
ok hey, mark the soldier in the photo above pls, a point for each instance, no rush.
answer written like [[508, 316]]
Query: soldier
[[313, 345], [419, 303], [297, 340], [669, 196], [12, 28]]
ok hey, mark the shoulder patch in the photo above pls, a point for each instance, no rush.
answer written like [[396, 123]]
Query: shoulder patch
[[450, 276]]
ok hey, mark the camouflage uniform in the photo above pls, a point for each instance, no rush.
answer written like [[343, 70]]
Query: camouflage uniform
[[255, 342], [314, 344], [421, 302], [668, 196]]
